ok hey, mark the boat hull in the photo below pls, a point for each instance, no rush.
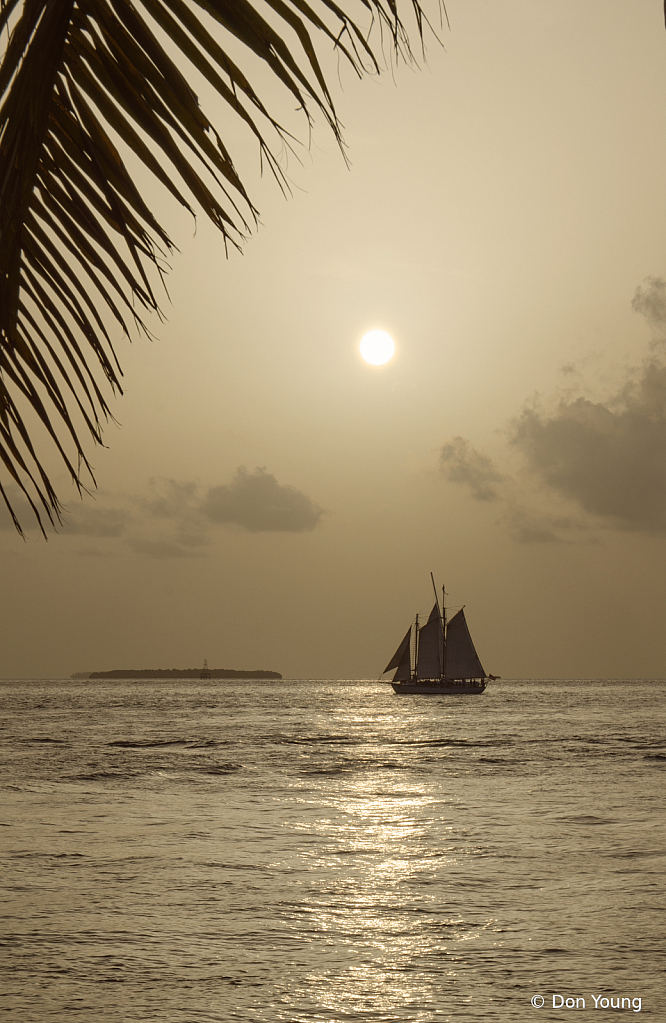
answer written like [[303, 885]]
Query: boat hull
[[465, 687]]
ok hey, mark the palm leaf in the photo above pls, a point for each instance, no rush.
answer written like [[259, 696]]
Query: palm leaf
[[78, 79]]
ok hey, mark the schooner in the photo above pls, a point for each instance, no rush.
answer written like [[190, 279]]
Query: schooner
[[441, 660]]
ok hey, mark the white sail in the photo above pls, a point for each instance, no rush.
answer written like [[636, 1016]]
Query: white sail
[[462, 660], [400, 660], [429, 662]]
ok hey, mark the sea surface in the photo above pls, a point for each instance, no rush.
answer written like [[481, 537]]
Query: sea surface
[[307, 852]]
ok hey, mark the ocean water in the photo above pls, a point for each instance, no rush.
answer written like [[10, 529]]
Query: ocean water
[[310, 852]]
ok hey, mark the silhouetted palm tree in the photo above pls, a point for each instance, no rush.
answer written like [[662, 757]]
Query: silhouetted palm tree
[[78, 80]]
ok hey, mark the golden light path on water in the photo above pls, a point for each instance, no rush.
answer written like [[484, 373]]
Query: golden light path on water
[[379, 902]]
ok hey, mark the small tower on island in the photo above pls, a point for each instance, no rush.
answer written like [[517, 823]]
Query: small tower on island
[[205, 672]]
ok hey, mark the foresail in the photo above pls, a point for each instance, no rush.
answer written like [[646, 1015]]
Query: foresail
[[404, 672], [400, 655], [462, 660], [429, 663]]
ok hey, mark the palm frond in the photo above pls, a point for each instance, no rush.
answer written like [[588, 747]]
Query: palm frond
[[79, 80]]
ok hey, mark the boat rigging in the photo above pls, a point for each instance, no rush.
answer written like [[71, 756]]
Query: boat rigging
[[439, 657]]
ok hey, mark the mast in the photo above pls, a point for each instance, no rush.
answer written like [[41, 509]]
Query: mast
[[443, 632], [432, 579], [442, 621], [416, 645]]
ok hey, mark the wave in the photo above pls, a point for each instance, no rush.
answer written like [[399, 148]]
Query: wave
[[158, 743], [221, 769], [104, 776]]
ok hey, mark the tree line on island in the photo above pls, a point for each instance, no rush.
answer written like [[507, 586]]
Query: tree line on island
[[175, 673]]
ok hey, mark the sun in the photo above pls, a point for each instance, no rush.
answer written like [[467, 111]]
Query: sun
[[377, 347]]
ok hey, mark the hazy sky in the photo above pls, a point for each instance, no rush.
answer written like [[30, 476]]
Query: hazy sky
[[271, 501]]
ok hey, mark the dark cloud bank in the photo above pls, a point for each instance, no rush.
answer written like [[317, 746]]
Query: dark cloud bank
[[175, 520], [252, 501], [608, 458]]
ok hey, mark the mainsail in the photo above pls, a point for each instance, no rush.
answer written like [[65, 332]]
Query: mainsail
[[462, 660], [429, 662], [401, 660]]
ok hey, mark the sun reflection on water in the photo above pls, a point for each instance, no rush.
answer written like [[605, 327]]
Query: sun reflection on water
[[381, 906]]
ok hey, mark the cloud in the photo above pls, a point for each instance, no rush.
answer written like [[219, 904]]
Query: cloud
[[170, 499], [83, 517], [158, 548], [174, 508], [89, 520], [527, 524], [258, 503], [650, 301], [179, 519], [461, 463], [606, 459]]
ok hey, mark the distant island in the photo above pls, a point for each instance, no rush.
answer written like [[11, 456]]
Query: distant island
[[175, 673]]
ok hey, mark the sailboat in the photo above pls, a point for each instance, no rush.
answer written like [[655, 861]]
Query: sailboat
[[441, 660]]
